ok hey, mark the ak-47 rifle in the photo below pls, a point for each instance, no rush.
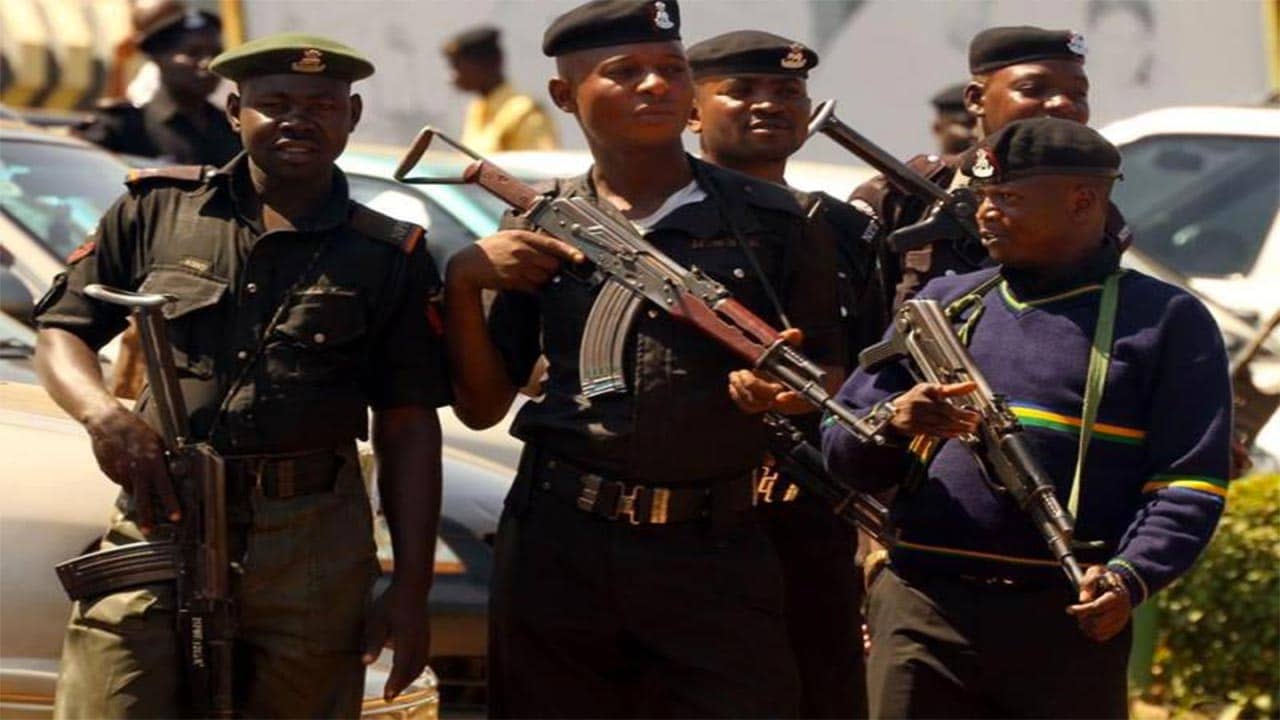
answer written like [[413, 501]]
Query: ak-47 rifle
[[956, 208], [636, 271], [198, 559], [923, 335]]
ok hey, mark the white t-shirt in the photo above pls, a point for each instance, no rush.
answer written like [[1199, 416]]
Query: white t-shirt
[[687, 195]]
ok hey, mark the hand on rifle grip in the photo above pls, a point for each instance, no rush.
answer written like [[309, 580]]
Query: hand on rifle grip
[[755, 392], [925, 410], [1104, 607], [132, 455]]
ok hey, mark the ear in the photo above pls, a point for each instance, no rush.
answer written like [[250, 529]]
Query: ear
[[233, 111], [561, 92], [357, 110], [695, 118], [973, 97]]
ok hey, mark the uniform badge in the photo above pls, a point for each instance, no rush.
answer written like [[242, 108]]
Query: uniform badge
[[795, 59], [661, 19], [193, 20], [312, 61], [1077, 45], [984, 165]]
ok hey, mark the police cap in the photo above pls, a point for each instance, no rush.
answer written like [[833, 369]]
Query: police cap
[[292, 54], [1041, 146], [949, 99], [479, 40], [999, 47], [604, 23], [750, 52], [157, 25]]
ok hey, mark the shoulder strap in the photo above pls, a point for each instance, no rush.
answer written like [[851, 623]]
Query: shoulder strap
[[370, 222], [178, 173], [971, 299], [1096, 379]]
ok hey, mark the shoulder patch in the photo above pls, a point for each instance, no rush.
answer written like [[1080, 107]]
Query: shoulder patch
[[173, 173], [849, 218], [371, 223]]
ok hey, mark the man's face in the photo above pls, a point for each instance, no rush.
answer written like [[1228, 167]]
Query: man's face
[[294, 126], [752, 117], [628, 95], [954, 131], [470, 74], [184, 66], [1052, 88], [1028, 223]]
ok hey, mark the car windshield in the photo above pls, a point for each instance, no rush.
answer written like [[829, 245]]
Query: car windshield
[[57, 192], [1202, 205]]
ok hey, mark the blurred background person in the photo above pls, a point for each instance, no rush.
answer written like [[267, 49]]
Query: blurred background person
[[953, 126], [499, 118]]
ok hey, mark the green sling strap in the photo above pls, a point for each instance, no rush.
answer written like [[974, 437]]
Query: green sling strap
[[1096, 379]]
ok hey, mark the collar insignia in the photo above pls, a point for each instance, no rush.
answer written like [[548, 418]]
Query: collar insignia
[[312, 61]]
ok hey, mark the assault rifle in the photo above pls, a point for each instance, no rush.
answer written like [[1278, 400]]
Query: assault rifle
[[956, 208], [635, 272], [197, 559], [923, 335]]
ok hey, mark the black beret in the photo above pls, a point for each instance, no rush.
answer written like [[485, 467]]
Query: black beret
[[603, 23], [999, 47], [165, 29], [480, 39], [1041, 146], [750, 52], [950, 98], [292, 53]]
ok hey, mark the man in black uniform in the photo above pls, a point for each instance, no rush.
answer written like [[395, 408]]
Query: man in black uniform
[[953, 126], [1017, 72], [178, 124], [296, 311], [751, 111], [632, 578]]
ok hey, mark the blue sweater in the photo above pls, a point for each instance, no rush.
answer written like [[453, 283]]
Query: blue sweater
[[1154, 482]]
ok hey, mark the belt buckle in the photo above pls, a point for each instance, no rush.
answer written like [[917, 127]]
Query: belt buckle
[[627, 505], [590, 492], [767, 477]]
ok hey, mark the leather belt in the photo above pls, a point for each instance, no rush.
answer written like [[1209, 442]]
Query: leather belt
[[281, 477], [640, 504]]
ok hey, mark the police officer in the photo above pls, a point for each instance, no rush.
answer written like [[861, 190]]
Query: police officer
[[751, 111], [973, 618], [1017, 72], [952, 126], [632, 578], [499, 118], [178, 124], [296, 311]]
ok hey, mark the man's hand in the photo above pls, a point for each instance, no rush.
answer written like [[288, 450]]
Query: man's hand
[[1102, 615], [924, 410], [399, 620], [132, 456], [755, 393], [512, 260]]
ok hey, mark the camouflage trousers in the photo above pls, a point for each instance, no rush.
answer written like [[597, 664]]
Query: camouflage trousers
[[308, 566]]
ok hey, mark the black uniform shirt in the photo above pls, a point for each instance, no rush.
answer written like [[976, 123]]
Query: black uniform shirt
[[357, 330], [158, 130], [675, 424]]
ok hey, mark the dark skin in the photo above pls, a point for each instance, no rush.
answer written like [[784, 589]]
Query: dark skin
[[475, 73], [632, 102], [293, 128], [751, 123], [954, 131], [184, 68], [1044, 88]]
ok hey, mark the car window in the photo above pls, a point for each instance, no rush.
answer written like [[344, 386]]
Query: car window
[[57, 192], [445, 235], [1202, 205]]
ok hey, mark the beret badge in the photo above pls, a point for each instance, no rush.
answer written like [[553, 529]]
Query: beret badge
[[795, 59], [1077, 45], [983, 164], [661, 19], [312, 61]]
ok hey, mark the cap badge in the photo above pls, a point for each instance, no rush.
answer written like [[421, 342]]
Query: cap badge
[[795, 59], [312, 61], [192, 20], [983, 165], [1076, 44], [661, 19]]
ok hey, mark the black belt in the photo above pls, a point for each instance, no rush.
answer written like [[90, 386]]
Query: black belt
[[641, 504], [281, 477]]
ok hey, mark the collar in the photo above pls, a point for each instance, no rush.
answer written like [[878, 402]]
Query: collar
[[498, 95], [233, 179], [1030, 287]]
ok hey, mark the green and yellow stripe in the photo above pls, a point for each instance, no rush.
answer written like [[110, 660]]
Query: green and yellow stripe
[[1017, 304], [1042, 418], [1201, 483]]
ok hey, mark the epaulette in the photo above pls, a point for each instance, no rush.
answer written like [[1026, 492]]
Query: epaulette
[[757, 192], [186, 174], [371, 223], [850, 220]]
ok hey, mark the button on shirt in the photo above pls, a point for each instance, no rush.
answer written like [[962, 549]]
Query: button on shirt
[[675, 424], [352, 332]]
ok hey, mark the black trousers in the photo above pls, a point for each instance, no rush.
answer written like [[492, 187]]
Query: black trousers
[[823, 606], [946, 648], [594, 618]]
